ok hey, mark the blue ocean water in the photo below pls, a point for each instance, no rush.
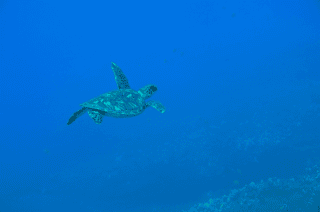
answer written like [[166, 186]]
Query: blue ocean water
[[240, 81]]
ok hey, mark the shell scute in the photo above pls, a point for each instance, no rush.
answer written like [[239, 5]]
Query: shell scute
[[118, 103]]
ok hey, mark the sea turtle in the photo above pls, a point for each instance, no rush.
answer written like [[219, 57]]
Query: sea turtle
[[122, 103]]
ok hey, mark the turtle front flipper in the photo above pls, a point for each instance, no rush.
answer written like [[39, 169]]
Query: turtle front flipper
[[96, 116], [77, 115], [157, 105], [121, 79]]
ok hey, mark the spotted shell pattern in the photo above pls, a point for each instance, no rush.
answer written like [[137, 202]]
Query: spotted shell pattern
[[119, 103]]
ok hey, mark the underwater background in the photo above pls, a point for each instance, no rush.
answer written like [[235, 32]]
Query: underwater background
[[240, 81]]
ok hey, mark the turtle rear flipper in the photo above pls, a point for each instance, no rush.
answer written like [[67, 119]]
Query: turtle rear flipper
[[77, 115], [96, 116], [157, 105]]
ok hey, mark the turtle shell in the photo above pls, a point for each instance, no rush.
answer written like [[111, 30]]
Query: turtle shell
[[120, 103]]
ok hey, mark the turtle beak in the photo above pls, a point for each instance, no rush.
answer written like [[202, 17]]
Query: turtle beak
[[154, 88]]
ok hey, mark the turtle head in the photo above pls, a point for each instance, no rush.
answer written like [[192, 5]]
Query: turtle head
[[147, 91]]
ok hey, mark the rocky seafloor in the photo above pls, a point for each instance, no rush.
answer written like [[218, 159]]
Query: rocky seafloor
[[296, 194]]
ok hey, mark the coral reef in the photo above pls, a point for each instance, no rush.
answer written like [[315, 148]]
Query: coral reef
[[295, 194]]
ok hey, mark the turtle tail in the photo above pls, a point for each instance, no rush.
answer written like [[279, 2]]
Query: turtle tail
[[77, 115]]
